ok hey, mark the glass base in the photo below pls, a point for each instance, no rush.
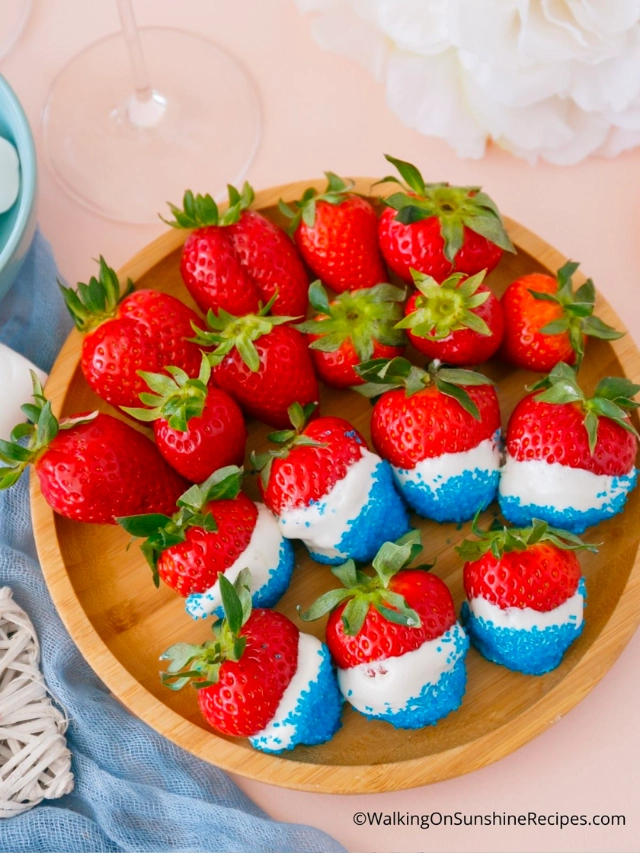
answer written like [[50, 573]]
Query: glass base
[[13, 16], [200, 131]]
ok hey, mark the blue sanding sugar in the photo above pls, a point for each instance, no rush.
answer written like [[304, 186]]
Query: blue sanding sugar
[[316, 717], [433, 703], [532, 652], [382, 519], [573, 520], [456, 499]]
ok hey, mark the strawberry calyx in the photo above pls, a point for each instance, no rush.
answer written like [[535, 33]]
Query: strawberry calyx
[[177, 398], [163, 531], [286, 439], [227, 332], [93, 303], [200, 211], [337, 191], [455, 207], [500, 539], [612, 399], [204, 661], [383, 374], [578, 319], [361, 316], [363, 590], [42, 428], [448, 307]]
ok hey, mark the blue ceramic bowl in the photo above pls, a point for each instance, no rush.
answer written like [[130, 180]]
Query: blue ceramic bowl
[[17, 226]]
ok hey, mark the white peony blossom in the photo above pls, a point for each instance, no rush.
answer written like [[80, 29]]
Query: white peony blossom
[[557, 79]]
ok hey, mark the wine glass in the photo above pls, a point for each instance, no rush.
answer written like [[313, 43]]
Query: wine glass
[[142, 115], [13, 17]]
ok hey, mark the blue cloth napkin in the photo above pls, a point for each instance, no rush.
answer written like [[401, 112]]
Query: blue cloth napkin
[[135, 791]]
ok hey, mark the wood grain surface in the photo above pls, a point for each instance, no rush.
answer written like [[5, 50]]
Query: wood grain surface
[[121, 623]]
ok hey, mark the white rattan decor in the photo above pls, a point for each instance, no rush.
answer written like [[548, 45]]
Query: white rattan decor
[[35, 763]]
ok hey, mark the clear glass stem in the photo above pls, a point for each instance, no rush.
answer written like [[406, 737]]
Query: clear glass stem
[[141, 84]]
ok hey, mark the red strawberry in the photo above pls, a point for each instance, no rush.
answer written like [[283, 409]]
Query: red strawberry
[[459, 321], [127, 332], [198, 427], [355, 327], [91, 467], [546, 322], [237, 260], [336, 234], [438, 229], [262, 363], [245, 676]]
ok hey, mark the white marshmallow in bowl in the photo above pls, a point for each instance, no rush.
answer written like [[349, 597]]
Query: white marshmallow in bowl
[[15, 388], [9, 175]]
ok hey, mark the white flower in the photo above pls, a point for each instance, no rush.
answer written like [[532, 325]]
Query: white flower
[[557, 79]]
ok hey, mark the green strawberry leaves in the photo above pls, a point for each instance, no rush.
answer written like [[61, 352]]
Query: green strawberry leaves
[[441, 309], [162, 531], [577, 319], [204, 661], [612, 399], [93, 303], [287, 439], [455, 207], [364, 591], [305, 208], [383, 375], [362, 317], [502, 540], [201, 211], [177, 398]]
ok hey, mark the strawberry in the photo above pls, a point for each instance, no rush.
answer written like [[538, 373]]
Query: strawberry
[[570, 459], [438, 229], [198, 427], [240, 259], [337, 235], [353, 328], [91, 467], [459, 321], [546, 322], [215, 530], [329, 490], [439, 428], [525, 594], [394, 638], [127, 332], [259, 677], [261, 362]]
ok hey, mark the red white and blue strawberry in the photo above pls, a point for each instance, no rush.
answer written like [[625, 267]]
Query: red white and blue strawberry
[[328, 489], [440, 430], [259, 676], [570, 459], [394, 637], [216, 530], [525, 594]]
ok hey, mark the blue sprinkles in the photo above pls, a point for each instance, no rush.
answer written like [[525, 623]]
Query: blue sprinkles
[[382, 519], [316, 716], [573, 520], [266, 596], [456, 499], [533, 652]]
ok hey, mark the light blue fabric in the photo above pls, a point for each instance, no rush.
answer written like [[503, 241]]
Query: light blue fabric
[[135, 791]]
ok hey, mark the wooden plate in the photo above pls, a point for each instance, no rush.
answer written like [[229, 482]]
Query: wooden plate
[[121, 623]]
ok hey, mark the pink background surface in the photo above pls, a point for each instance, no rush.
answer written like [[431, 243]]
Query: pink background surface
[[323, 112]]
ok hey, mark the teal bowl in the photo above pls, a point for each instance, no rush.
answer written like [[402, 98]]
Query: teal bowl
[[18, 225]]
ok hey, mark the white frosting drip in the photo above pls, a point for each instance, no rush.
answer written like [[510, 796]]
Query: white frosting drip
[[15, 385], [261, 555], [434, 472], [525, 618], [389, 685], [277, 734], [539, 483], [321, 525]]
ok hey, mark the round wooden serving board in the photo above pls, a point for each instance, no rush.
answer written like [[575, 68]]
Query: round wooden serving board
[[121, 623]]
